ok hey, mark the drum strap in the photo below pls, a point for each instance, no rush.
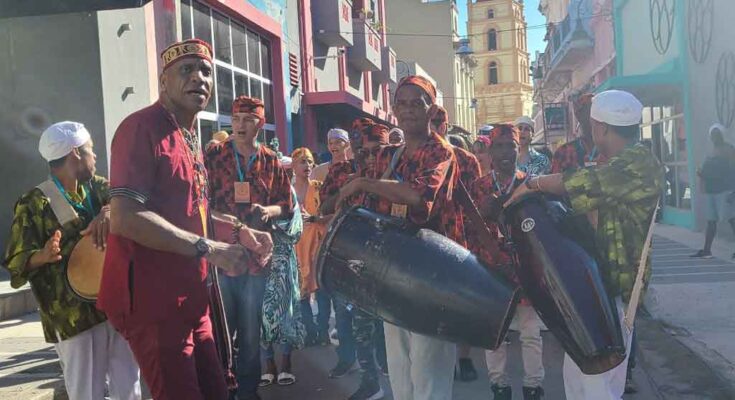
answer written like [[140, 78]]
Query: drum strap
[[63, 211], [393, 162], [635, 296], [475, 220]]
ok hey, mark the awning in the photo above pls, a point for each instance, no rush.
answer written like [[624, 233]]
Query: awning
[[658, 89], [29, 8]]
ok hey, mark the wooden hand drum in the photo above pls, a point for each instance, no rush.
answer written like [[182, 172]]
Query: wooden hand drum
[[84, 270]]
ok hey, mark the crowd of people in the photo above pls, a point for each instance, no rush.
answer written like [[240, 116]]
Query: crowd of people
[[172, 208]]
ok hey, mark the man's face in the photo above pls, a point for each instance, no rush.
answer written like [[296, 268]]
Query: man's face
[[302, 167], [439, 127], [599, 134], [526, 134], [245, 126], [86, 161], [411, 107], [188, 83], [337, 147], [395, 138], [367, 155], [504, 152]]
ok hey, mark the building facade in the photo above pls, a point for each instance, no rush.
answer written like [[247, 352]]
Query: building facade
[[503, 89], [97, 67], [346, 65], [579, 57], [427, 32]]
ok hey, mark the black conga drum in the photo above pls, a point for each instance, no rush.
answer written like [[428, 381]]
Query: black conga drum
[[415, 278], [559, 273]]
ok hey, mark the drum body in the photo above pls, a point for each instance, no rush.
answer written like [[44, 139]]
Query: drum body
[[559, 273], [84, 269], [415, 278]]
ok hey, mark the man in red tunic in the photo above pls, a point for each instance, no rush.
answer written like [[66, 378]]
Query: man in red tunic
[[421, 177], [154, 286]]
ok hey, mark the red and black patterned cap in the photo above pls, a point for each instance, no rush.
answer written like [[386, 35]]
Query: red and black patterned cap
[[250, 105], [505, 130], [423, 84], [187, 48]]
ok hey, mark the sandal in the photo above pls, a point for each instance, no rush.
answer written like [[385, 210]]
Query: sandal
[[267, 380], [286, 378]]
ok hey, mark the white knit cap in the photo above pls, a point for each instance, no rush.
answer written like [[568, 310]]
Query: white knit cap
[[486, 128], [616, 108], [525, 120], [61, 138]]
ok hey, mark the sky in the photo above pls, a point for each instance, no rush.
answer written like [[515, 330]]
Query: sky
[[533, 17]]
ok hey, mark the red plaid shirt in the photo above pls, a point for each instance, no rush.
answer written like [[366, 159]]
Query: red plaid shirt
[[567, 157], [433, 172], [269, 183]]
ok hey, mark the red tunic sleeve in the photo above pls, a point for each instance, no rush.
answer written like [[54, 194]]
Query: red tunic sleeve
[[132, 162]]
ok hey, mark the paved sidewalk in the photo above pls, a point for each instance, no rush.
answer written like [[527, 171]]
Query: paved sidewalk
[[694, 297]]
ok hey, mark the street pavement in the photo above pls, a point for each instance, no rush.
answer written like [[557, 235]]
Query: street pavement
[[685, 336]]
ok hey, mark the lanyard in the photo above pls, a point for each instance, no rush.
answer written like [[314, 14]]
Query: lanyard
[[507, 189], [87, 209], [593, 154], [251, 161], [394, 162]]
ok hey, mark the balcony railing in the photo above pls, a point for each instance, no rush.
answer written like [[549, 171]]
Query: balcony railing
[[366, 51], [388, 73], [569, 44], [332, 21]]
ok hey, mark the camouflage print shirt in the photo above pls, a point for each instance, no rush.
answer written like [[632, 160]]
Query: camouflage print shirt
[[624, 194], [33, 224]]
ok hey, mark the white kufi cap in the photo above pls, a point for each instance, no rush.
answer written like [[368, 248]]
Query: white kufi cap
[[616, 108], [61, 138]]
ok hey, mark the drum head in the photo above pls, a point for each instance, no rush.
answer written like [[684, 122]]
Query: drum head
[[84, 270]]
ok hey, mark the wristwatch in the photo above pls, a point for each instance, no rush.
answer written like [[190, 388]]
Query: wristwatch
[[203, 247]]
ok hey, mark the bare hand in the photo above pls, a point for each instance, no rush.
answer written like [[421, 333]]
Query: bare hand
[[492, 208], [259, 215], [520, 192], [352, 187], [99, 228], [232, 258], [259, 242], [51, 252]]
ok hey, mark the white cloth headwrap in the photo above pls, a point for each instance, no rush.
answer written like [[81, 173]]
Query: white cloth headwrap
[[616, 108], [337, 133], [61, 138], [526, 120], [717, 126]]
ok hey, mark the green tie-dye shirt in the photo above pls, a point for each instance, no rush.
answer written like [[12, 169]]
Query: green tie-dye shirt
[[33, 225], [624, 193]]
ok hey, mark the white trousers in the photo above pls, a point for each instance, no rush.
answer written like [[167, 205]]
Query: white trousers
[[421, 367], [609, 385], [96, 358], [529, 326]]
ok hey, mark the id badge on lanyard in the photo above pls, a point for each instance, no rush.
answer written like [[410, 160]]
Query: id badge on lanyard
[[242, 187], [398, 210]]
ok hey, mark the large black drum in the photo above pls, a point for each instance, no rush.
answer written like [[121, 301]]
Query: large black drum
[[415, 278], [559, 273]]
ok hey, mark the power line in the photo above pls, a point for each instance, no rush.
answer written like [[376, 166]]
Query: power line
[[419, 34]]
